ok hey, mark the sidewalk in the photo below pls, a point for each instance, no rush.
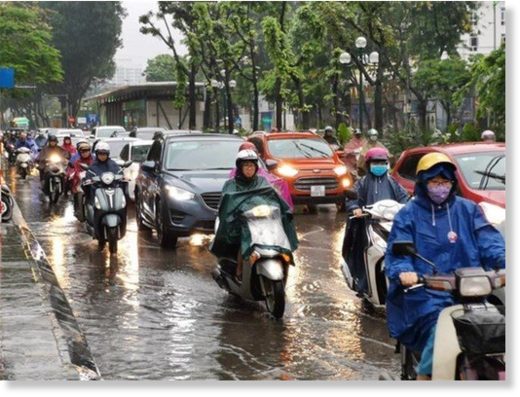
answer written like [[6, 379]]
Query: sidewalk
[[39, 336]]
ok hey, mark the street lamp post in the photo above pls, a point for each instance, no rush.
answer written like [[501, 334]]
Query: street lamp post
[[363, 59]]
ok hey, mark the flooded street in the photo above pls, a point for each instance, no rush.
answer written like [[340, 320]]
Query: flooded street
[[151, 313]]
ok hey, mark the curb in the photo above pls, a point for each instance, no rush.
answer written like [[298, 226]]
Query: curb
[[71, 342]]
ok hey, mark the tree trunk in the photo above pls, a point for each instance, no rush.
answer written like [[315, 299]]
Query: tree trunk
[[231, 121], [422, 114], [378, 100], [207, 111], [192, 98], [279, 103]]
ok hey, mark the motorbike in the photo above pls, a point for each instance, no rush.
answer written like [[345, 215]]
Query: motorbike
[[470, 335], [24, 162], [264, 275], [105, 209], [11, 152], [6, 203], [375, 224], [79, 200], [54, 177]]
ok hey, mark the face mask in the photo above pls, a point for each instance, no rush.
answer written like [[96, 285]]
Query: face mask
[[378, 169], [439, 194], [373, 138]]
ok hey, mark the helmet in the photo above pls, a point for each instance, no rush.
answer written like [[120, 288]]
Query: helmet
[[247, 145], [357, 131], [373, 132], [246, 155], [52, 138], [103, 147], [329, 128], [432, 159], [83, 146], [487, 135], [82, 140], [376, 153]]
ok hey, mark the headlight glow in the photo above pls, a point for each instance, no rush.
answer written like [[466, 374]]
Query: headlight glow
[[340, 170], [346, 182], [179, 194], [286, 170], [261, 211], [55, 158]]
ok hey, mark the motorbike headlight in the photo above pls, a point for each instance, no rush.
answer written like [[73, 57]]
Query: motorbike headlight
[[261, 211], [97, 204], [107, 178], [475, 286], [287, 170], [55, 158], [340, 170], [179, 194]]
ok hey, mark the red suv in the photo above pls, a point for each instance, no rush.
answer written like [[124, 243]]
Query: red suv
[[481, 169], [314, 172]]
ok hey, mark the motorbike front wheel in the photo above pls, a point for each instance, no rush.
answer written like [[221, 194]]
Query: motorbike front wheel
[[8, 214], [112, 239], [23, 173], [54, 193], [274, 297]]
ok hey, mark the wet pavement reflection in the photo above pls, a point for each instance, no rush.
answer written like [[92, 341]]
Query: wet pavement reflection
[[150, 313]]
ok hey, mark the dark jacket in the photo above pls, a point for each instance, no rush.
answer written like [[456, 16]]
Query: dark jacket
[[98, 168], [371, 189], [47, 151], [411, 315]]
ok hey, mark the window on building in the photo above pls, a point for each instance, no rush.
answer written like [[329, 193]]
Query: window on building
[[473, 42], [503, 16], [503, 39]]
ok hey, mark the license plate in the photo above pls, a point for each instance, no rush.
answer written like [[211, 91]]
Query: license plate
[[318, 191]]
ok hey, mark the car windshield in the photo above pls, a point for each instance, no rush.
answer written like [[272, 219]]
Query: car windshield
[[139, 153], [299, 148], [108, 132], [201, 154], [483, 171], [116, 147]]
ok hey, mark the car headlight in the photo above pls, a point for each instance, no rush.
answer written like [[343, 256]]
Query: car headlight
[[97, 204], [179, 194], [286, 170], [107, 178], [340, 170], [346, 183]]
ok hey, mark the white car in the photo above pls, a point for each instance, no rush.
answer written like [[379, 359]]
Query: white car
[[108, 131], [136, 151]]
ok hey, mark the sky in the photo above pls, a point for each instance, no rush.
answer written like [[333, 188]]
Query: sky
[[137, 47]]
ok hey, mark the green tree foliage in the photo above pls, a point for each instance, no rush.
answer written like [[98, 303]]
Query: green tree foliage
[[26, 44], [160, 68], [87, 35]]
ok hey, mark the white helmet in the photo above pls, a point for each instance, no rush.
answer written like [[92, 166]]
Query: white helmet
[[488, 135], [246, 155], [103, 147]]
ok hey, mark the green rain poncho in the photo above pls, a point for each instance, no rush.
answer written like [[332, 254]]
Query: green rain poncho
[[235, 233]]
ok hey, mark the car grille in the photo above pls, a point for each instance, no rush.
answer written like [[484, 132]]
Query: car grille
[[212, 200], [305, 184]]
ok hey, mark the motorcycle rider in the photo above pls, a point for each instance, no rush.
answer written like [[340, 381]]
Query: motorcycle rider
[[356, 142], [375, 186], [246, 179], [40, 140], [102, 163], [27, 142], [372, 142], [85, 158], [50, 149], [68, 146], [279, 184], [329, 136], [446, 229]]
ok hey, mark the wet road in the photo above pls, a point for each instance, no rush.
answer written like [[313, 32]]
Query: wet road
[[150, 313]]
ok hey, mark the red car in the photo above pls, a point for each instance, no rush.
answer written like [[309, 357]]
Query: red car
[[314, 172], [481, 169]]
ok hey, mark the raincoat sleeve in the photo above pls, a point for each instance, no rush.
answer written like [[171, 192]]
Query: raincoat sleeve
[[360, 201], [490, 242], [401, 231], [400, 192]]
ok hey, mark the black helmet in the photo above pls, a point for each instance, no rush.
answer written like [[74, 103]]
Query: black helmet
[[52, 138]]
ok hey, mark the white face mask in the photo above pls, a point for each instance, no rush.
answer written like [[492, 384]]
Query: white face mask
[[373, 138]]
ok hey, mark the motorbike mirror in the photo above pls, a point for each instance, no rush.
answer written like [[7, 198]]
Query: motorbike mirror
[[403, 248], [84, 166], [127, 164], [119, 162], [148, 166], [271, 164]]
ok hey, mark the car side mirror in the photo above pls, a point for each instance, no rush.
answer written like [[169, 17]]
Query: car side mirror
[[406, 248], [127, 164], [271, 164], [148, 166]]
